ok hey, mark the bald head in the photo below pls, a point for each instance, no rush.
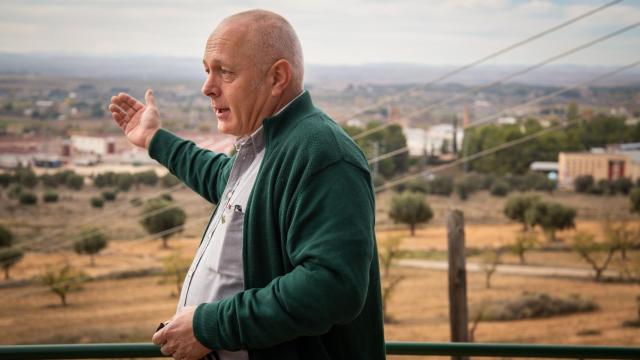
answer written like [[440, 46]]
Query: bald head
[[268, 38]]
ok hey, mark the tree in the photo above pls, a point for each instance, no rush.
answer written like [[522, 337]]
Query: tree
[[517, 206], [6, 237], [75, 182], [586, 246], [389, 253], [523, 242], [8, 258], [148, 177], [50, 196], [619, 236], [441, 185], [161, 217], [634, 198], [124, 181], [499, 188], [26, 177], [176, 267], [169, 180], [91, 242], [97, 202], [551, 217], [63, 280], [410, 208], [28, 198], [109, 195], [489, 264]]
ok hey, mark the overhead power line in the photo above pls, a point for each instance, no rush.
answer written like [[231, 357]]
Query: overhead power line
[[496, 53], [505, 78]]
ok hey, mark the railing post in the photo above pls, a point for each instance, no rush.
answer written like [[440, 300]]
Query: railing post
[[457, 279]]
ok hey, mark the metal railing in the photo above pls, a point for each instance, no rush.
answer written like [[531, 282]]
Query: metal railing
[[145, 350]]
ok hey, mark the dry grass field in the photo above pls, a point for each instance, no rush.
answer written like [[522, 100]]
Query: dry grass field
[[128, 310]]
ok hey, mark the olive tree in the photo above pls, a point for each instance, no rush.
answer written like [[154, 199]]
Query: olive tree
[[8, 258], [517, 206], [410, 208], [551, 217], [596, 254], [91, 242], [161, 217], [63, 280]]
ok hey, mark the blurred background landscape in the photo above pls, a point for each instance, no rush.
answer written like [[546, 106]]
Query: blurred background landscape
[[524, 115]]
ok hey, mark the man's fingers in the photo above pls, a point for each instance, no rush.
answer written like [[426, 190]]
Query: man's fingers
[[129, 101], [167, 349], [149, 99], [159, 337]]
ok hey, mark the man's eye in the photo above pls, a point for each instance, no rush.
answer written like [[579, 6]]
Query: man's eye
[[225, 72]]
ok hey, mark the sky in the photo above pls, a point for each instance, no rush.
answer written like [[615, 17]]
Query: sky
[[332, 32]]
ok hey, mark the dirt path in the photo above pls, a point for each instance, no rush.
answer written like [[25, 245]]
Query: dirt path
[[525, 270]]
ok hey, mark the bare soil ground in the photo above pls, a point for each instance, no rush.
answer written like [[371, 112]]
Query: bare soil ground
[[129, 309]]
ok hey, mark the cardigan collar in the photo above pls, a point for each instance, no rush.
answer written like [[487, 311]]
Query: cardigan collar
[[276, 125]]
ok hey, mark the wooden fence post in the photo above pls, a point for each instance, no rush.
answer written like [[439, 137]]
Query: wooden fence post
[[458, 316]]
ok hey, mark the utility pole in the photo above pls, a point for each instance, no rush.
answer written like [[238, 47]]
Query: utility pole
[[458, 317]]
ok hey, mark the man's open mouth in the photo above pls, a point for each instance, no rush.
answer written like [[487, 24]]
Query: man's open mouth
[[221, 110]]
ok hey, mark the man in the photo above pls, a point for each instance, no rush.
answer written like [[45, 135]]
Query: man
[[287, 267]]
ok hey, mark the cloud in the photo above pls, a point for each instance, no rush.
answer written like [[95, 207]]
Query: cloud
[[332, 31]]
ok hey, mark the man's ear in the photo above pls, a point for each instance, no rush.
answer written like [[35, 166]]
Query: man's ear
[[281, 73]]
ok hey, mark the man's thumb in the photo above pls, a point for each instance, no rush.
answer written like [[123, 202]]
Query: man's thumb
[[149, 99]]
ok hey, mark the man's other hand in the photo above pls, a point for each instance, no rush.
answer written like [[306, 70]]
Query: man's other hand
[[177, 339], [138, 121]]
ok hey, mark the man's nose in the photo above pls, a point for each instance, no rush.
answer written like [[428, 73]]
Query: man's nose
[[211, 87]]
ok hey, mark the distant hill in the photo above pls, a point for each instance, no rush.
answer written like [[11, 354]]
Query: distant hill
[[166, 68]]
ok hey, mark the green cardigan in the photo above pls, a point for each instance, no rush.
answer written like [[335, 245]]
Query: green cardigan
[[311, 277]]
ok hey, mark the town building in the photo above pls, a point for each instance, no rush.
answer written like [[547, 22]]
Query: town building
[[612, 163]]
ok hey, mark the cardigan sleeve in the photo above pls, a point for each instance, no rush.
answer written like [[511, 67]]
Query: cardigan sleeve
[[204, 171], [330, 242]]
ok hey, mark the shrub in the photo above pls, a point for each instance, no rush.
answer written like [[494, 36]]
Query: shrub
[[499, 188], [97, 202], [49, 180], [169, 180], [462, 189], [536, 305], [5, 179], [28, 198], [414, 185], [50, 196], [583, 184], [148, 177], [6, 237], [166, 196], [109, 195], [623, 185], [634, 198], [441, 185], [124, 181], [75, 182], [607, 187], [136, 201], [26, 177], [14, 191]]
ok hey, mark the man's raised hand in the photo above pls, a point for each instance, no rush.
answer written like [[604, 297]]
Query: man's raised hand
[[138, 121]]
